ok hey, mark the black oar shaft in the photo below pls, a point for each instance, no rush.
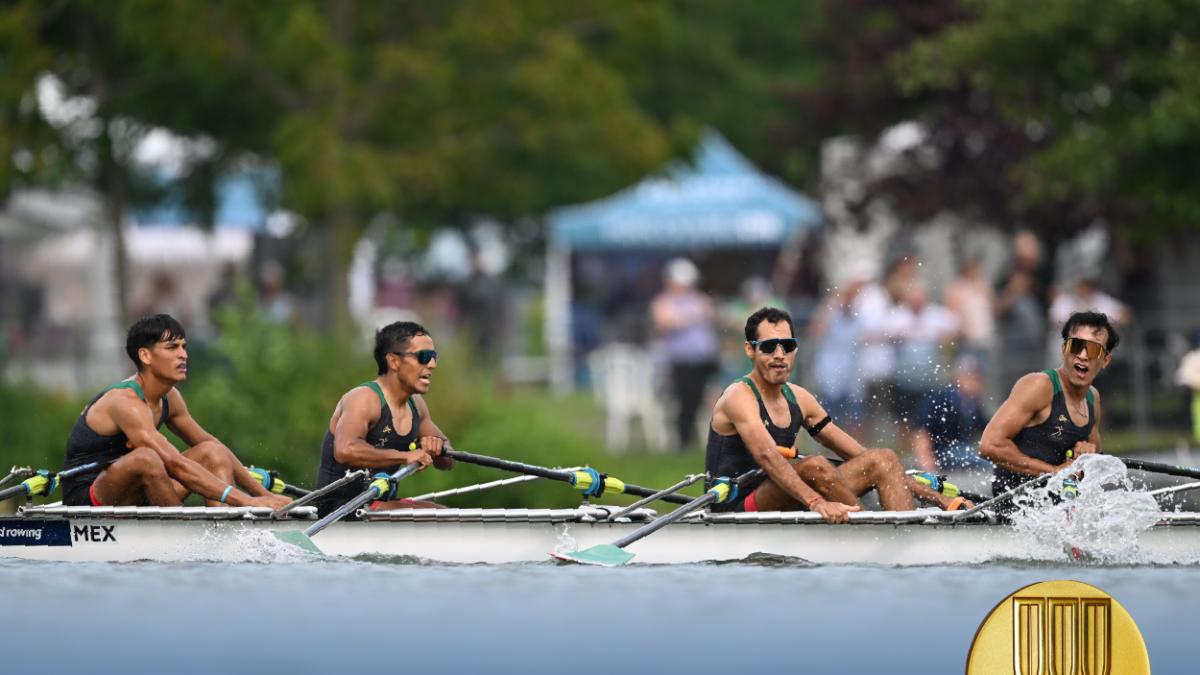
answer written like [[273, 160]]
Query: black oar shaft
[[369, 495], [65, 473], [693, 505], [552, 474], [1158, 467]]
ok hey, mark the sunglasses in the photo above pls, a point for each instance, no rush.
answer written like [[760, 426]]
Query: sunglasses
[[769, 346], [1074, 345], [424, 356]]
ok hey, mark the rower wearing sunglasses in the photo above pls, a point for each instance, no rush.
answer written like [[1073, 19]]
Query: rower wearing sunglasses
[[383, 424], [761, 412], [1053, 411]]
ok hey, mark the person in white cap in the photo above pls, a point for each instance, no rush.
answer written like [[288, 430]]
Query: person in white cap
[[683, 325]]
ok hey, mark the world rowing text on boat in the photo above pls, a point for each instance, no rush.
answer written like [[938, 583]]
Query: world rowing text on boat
[[1058, 628]]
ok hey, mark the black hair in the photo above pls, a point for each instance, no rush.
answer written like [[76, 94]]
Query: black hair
[[394, 337], [149, 330], [770, 315], [1095, 320]]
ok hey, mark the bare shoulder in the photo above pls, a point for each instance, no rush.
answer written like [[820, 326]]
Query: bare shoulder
[[1095, 394], [1033, 390], [120, 398], [801, 394]]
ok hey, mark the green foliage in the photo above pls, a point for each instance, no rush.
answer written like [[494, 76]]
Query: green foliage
[[1107, 90], [34, 426]]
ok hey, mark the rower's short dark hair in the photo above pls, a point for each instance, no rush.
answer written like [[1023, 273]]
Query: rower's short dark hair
[[1098, 320], [394, 337], [149, 330], [770, 315]]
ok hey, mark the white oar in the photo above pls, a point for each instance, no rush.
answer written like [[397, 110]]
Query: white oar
[[379, 486], [308, 498], [614, 554], [1174, 489]]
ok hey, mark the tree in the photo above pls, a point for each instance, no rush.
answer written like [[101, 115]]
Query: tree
[[1105, 94]]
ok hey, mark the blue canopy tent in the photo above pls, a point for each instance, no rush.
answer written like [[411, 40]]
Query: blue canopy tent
[[719, 200]]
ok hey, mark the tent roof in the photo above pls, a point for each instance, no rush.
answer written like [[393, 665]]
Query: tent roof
[[721, 200]]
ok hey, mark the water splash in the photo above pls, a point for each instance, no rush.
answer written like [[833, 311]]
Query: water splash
[[565, 543], [1101, 524]]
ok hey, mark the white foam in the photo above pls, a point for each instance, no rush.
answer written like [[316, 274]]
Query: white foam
[[1102, 524]]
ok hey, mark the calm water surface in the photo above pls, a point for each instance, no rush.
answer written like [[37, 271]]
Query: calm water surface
[[347, 616]]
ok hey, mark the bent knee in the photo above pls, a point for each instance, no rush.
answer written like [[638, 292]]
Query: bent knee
[[209, 453], [814, 467], [884, 457], [145, 461]]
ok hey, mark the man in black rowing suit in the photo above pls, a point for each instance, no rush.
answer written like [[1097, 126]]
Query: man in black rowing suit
[[383, 424], [1052, 411], [122, 423], [763, 411]]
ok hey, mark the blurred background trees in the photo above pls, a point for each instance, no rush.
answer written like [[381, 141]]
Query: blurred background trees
[[1049, 116]]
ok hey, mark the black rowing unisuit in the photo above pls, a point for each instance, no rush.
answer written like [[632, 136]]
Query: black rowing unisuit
[[728, 456], [382, 435], [84, 446], [1050, 440]]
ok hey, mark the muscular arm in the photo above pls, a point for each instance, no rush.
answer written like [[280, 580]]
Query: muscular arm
[[430, 430], [134, 419], [1030, 395], [741, 408], [360, 408]]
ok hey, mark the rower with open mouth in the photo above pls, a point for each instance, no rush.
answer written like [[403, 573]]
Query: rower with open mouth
[[1053, 416], [762, 412], [119, 430], [383, 424]]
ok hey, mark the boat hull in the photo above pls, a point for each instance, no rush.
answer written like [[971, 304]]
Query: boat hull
[[518, 535]]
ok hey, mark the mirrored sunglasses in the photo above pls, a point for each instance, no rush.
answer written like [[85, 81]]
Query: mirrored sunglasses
[[769, 346], [424, 356], [1074, 345]]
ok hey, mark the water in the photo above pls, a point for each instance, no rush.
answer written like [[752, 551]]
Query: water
[[399, 617]]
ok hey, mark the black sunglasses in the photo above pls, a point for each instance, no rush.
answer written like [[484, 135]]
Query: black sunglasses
[[769, 346], [424, 356]]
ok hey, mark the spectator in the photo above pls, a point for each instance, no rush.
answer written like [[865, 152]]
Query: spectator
[[874, 306], [922, 328], [1189, 376], [275, 303], [683, 323], [1087, 297], [971, 299], [949, 422], [1021, 311], [836, 330]]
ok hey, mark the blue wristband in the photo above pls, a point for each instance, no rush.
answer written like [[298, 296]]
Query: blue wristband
[[225, 494]]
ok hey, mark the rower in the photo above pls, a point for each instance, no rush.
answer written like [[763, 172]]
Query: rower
[[1053, 416], [385, 423], [122, 423], [763, 410]]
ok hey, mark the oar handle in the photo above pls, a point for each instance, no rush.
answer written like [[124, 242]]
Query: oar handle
[[369, 495]]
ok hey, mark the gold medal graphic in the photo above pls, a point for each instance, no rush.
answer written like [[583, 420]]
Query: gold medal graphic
[[1058, 628]]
